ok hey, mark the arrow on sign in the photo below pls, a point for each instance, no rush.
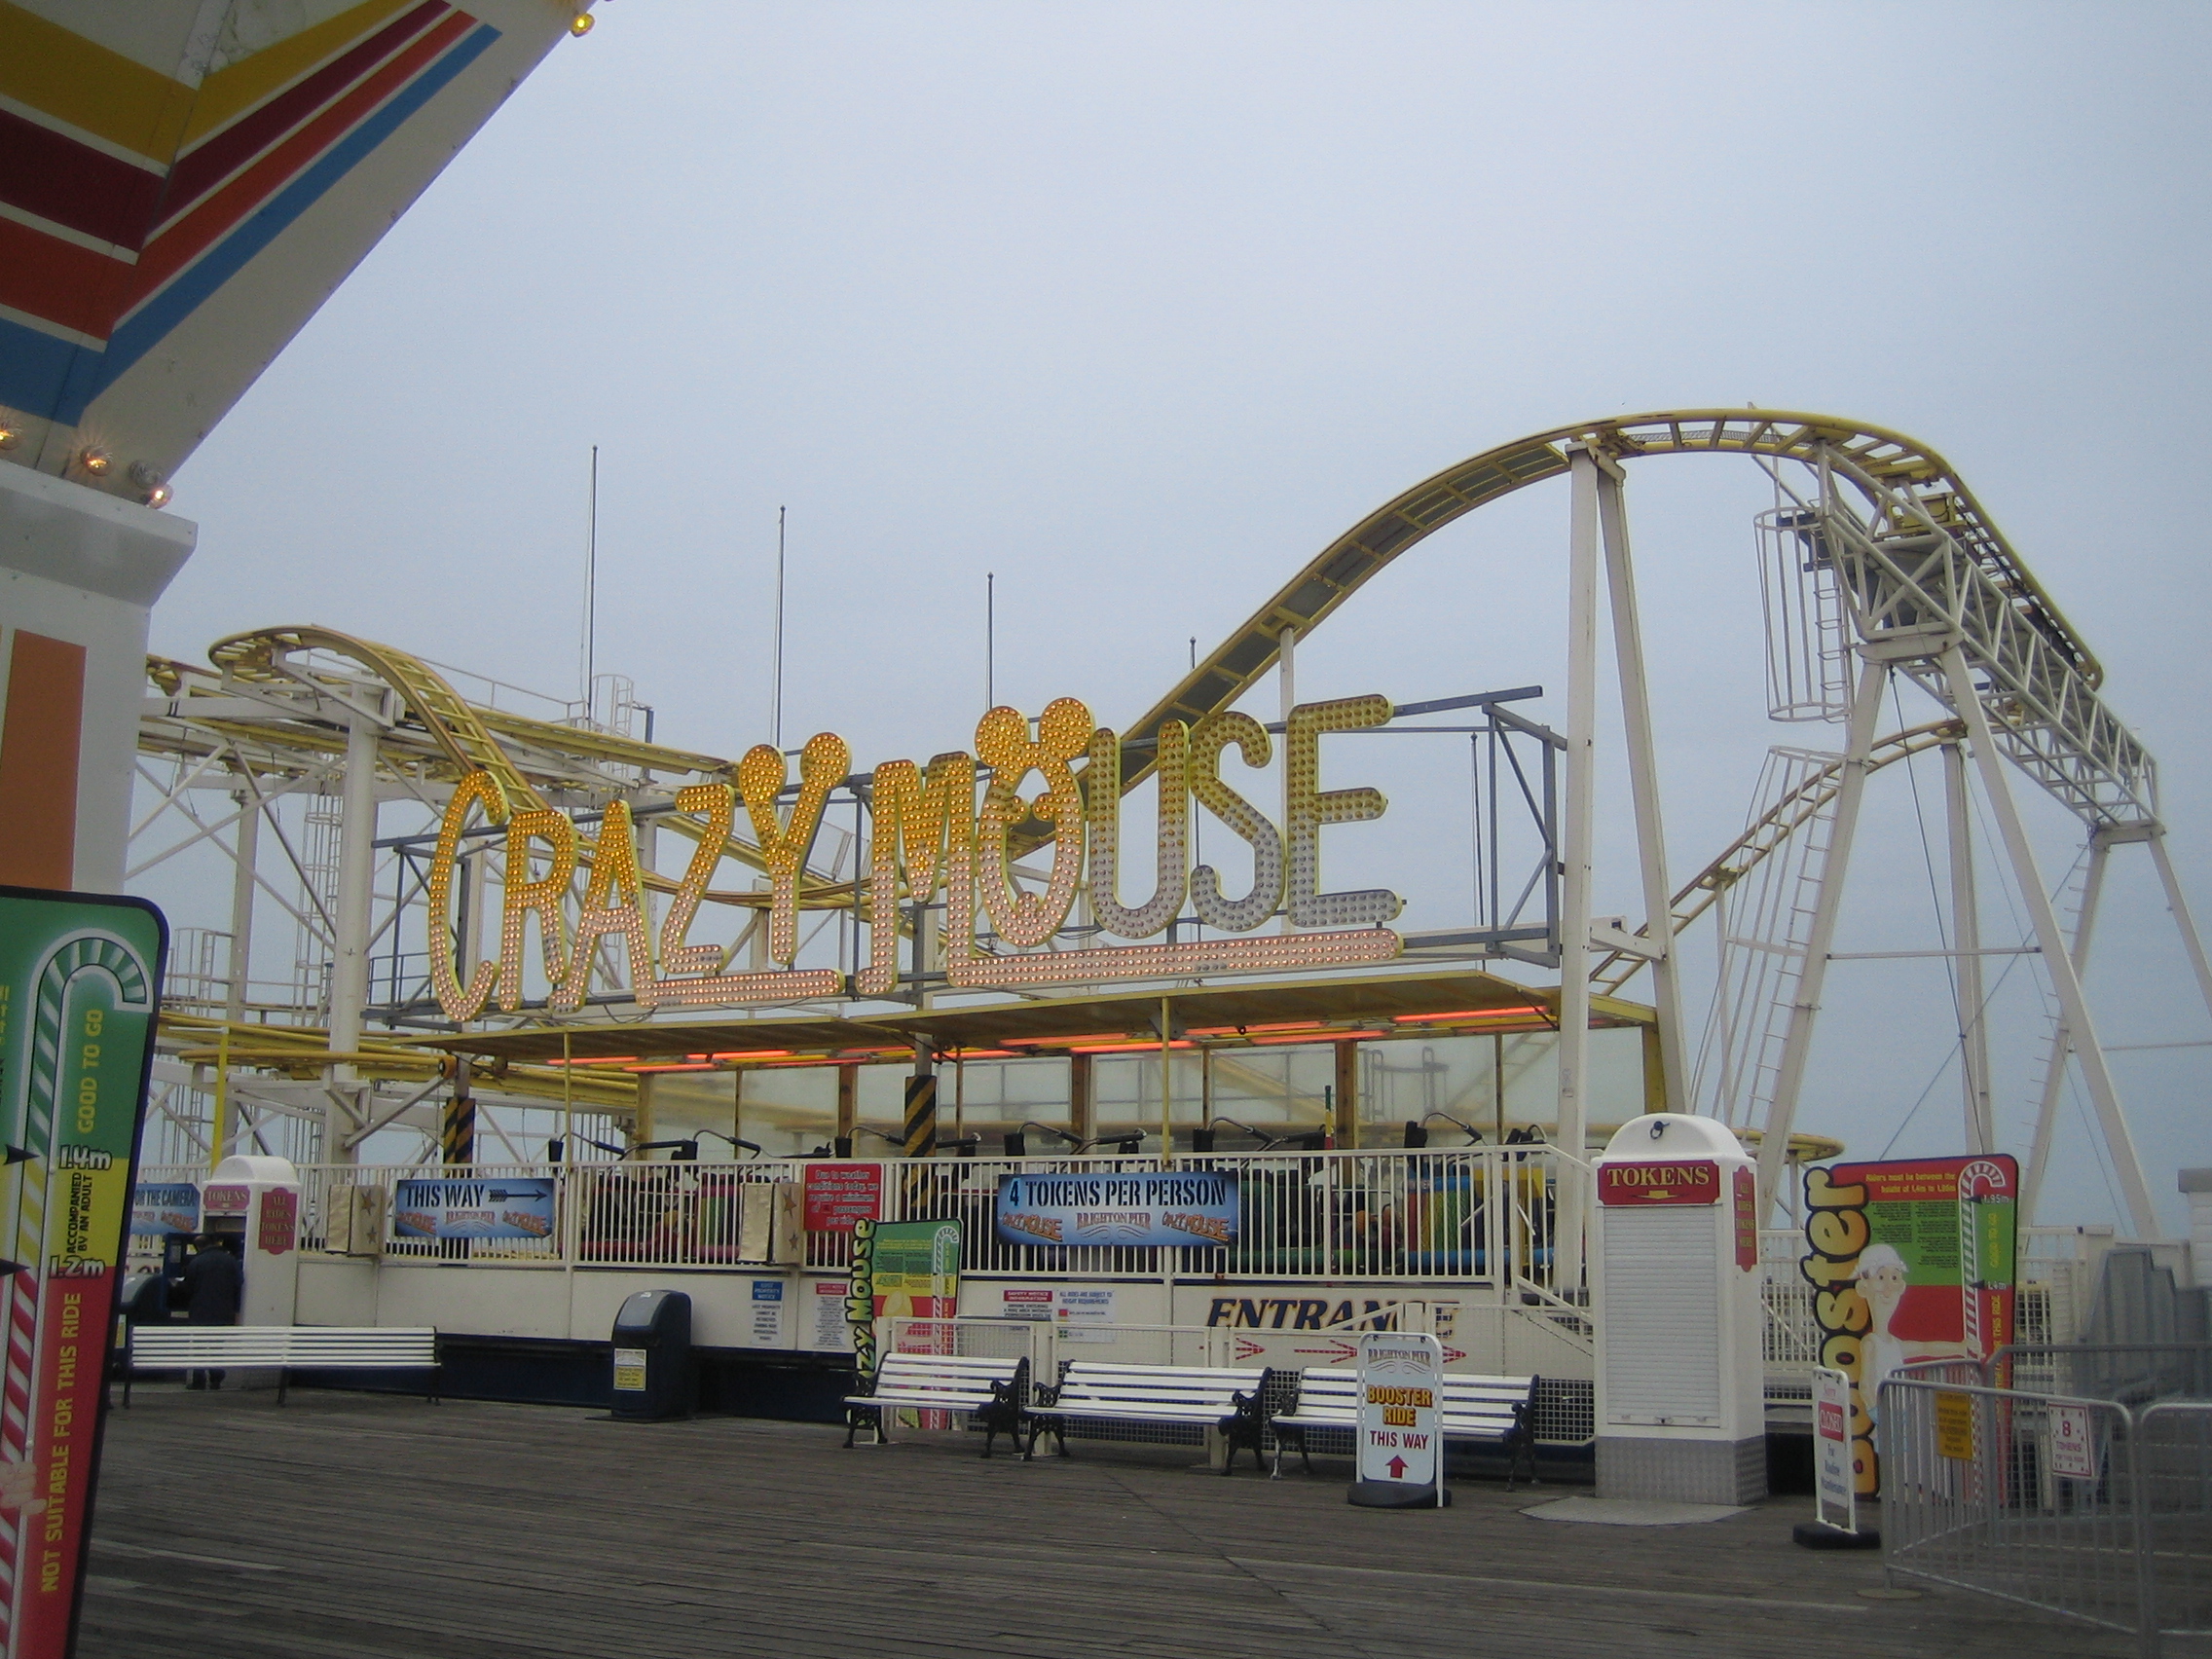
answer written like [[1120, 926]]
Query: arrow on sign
[[1397, 1469], [19, 1155]]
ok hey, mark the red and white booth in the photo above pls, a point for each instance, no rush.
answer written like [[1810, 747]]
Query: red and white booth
[[1681, 1409]]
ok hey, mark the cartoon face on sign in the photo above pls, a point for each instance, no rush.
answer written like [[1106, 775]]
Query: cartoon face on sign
[[1883, 1279]]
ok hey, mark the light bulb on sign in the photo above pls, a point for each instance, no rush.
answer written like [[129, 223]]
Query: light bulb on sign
[[580, 24]]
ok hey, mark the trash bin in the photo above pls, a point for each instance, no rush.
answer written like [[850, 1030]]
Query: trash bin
[[653, 1356]]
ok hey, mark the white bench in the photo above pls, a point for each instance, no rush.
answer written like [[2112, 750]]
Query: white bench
[[286, 1347], [1181, 1395], [1494, 1410], [995, 1391]]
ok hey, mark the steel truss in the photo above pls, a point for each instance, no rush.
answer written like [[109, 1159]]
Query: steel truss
[[1923, 582]]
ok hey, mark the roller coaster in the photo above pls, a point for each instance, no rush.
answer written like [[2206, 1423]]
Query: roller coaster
[[1878, 561]]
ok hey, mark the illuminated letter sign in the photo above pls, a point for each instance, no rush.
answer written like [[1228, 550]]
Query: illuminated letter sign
[[930, 833]]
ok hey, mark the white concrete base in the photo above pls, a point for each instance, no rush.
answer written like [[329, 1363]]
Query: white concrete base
[[1630, 1512], [1677, 1469], [79, 573]]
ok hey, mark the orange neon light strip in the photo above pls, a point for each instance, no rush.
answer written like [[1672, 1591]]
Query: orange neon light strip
[[1468, 1014], [1140, 1046]]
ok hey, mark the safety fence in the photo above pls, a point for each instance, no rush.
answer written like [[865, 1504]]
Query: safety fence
[[1477, 1216], [2090, 1508]]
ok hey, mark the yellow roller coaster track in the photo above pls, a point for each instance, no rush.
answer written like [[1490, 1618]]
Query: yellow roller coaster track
[[1339, 570], [1766, 834], [469, 737]]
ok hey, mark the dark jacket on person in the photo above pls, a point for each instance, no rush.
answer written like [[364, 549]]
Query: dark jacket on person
[[213, 1280]]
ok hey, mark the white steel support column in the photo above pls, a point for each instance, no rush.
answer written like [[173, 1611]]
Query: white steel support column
[[2074, 1008], [1798, 1041], [356, 874], [2183, 920], [2061, 1039], [1965, 940], [1575, 864], [246, 852], [1643, 780]]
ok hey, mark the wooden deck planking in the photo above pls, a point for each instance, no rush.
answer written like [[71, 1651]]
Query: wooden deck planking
[[399, 1530]]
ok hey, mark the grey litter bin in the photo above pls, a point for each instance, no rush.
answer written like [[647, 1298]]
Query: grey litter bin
[[653, 1356]]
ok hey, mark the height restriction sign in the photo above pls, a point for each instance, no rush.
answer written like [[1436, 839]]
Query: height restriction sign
[[79, 982]]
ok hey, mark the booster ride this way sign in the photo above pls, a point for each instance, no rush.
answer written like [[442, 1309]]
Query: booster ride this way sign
[[1401, 1394]]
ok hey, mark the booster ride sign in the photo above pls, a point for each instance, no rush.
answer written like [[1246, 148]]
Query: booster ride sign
[[80, 984], [1195, 1208], [1401, 1421]]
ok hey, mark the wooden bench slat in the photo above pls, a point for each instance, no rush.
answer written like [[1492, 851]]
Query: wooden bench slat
[[946, 1383], [1471, 1407], [1182, 1397], [283, 1347]]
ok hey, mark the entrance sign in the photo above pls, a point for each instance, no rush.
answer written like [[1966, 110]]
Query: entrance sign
[[951, 827], [80, 984], [1911, 1260], [1141, 1207], [1835, 1494], [504, 1206], [1401, 1441]]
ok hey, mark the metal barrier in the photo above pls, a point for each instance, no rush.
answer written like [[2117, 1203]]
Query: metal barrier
[[1474, 1216], [2131, 1374], [2084, 1507]]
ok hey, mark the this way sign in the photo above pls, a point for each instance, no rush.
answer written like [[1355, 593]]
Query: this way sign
[[1401, 1452]]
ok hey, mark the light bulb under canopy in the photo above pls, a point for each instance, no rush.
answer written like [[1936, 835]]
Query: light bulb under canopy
[[580, 23]]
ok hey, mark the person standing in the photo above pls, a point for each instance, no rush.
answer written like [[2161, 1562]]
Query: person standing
[[212, 1283]]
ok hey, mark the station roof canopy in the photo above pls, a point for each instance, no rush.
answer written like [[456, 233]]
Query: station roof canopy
[[1284, 1011]]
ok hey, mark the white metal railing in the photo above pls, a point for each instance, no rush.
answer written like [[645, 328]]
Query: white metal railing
[[1476, 1215], [1425, 1215]]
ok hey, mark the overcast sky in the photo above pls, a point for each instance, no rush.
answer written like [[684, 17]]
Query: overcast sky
[[1140, 306]]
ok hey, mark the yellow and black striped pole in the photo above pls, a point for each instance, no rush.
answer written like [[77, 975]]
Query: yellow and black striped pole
[[921, 1111], [459, 1131]]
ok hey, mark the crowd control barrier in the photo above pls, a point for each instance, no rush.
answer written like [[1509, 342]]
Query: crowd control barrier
[[2088, 1508]]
